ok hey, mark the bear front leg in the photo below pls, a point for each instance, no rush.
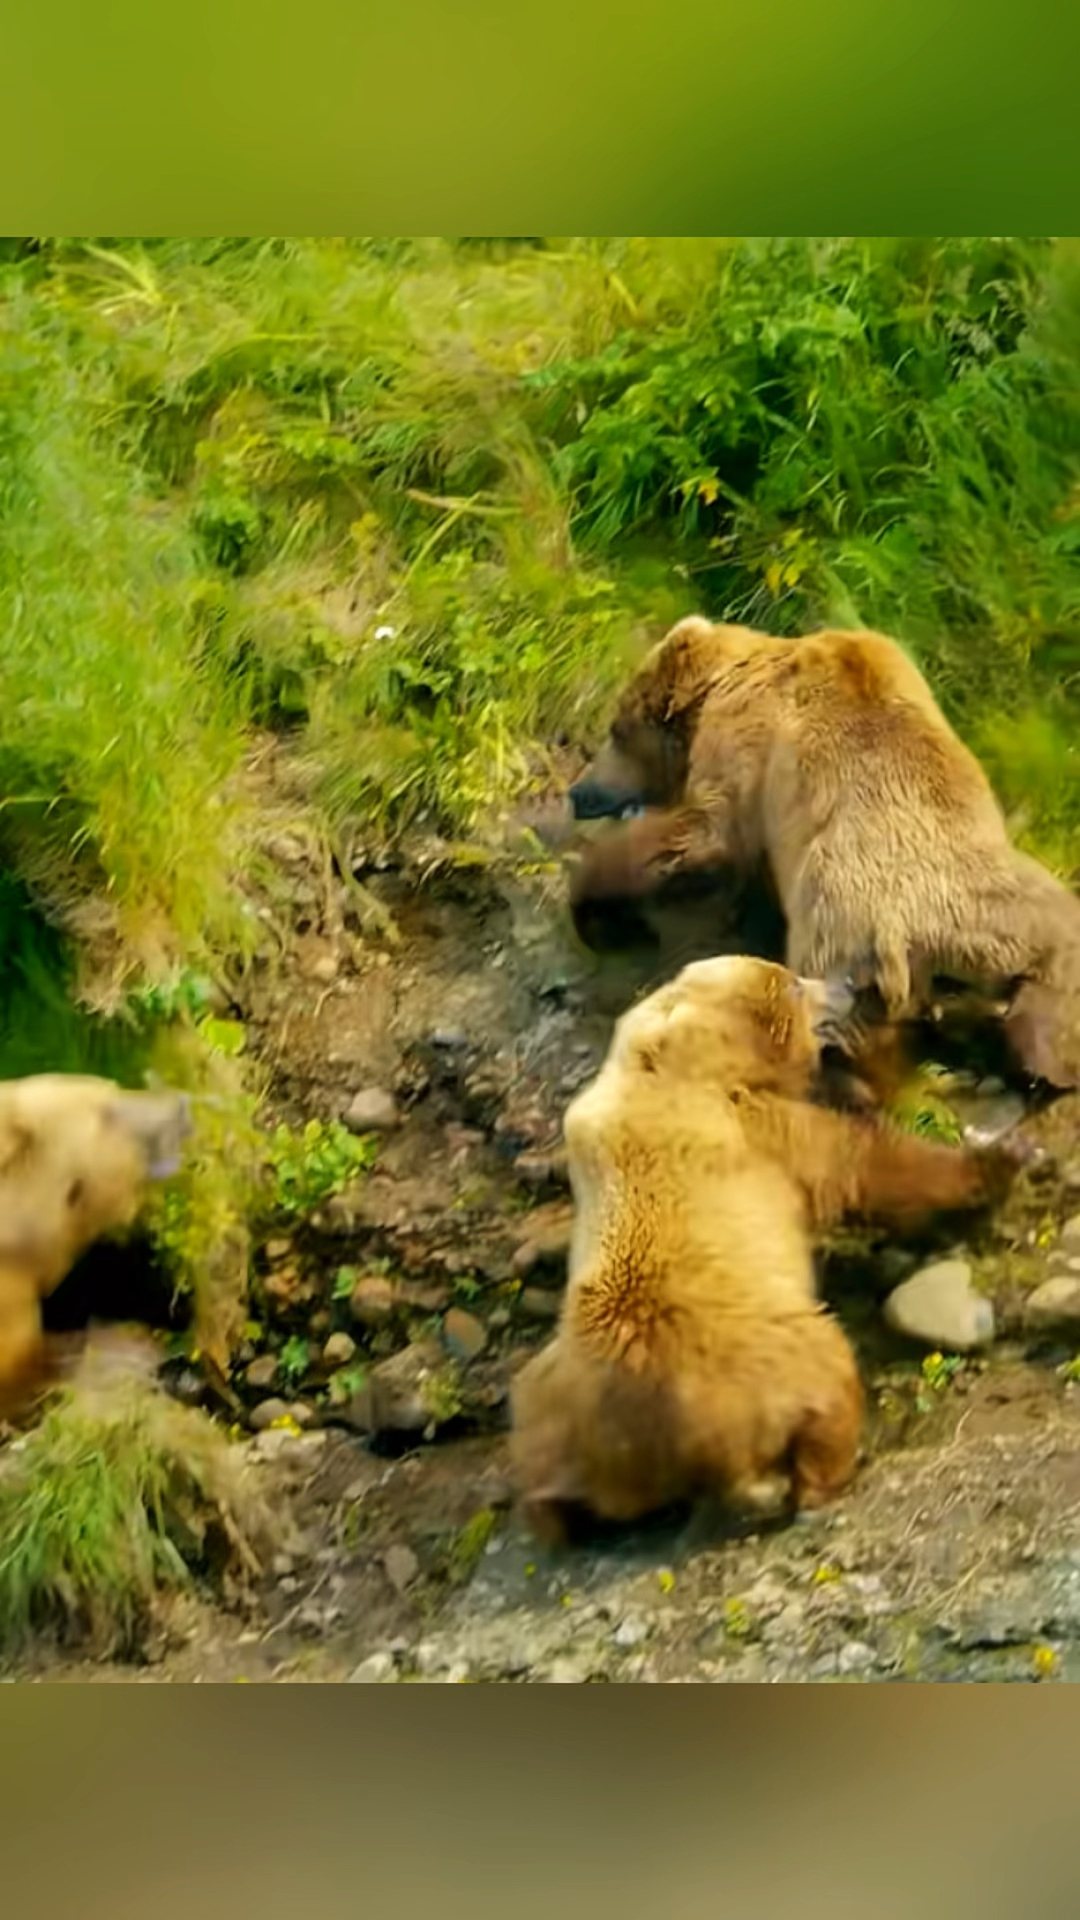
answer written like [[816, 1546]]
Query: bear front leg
[[23, 1359], [848, 1164], [892, 1177], [636, 857]]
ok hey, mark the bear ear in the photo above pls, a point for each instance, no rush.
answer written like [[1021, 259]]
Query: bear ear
[[689, 665], [1034, 1037], [15, 1139]]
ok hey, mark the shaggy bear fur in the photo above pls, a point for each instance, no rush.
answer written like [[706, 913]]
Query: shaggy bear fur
[[693, 1357], [827, 760], [76, 1154]]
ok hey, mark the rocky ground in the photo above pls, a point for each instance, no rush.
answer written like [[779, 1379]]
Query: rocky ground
[[393, 1320]]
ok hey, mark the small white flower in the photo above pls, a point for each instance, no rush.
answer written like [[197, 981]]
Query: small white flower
[[385, 633]]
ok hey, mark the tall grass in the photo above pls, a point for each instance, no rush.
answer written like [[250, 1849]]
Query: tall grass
[[119, 1498], [419, 501], [115, 743]]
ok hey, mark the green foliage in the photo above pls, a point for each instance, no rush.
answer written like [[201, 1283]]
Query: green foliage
[[920, 1110], [421, 500], [42, 1028], [937, 1373], [115, 743], [199, 1220], [293, 1360], [107, 1505], [346, 1382], [310, 1166], [467, 1545], [344, 1282]]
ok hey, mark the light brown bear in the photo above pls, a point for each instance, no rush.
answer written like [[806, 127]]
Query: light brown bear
[[693, 1357], [76, 1154], [828, 759]]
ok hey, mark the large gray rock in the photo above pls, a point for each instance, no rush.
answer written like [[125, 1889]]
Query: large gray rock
[[940, 1308]]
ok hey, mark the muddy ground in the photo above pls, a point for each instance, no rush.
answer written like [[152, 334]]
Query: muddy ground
[[956, 1556]]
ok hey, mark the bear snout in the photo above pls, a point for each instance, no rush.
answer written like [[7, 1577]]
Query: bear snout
[[832, 1002], [592, 800], [160, 1122]]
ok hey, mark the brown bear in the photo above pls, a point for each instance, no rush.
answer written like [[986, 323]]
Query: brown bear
[[693, 1357], [827, 759], [76, 1154]]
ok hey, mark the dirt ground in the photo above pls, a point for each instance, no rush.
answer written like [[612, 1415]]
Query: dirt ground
[[957, 1554]]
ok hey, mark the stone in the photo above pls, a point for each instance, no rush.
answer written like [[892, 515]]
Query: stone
[[262, 1372], [1056, 1303], [276, 1250], [339, 1350], [277, 1443], [991, 1117], [401, 1567], [546, 1245], [538, 1304], [536, 1169], [372, 1110], [1070, 1234], [940, 1308], [465, 1335], [499, 1320], [418, 1297], [376, 1670], [567, 1672], [413, 1391], [267, 1411], [855, 1657], [630, 1632], [356, 1412], [372, 1303], [301, 1413]]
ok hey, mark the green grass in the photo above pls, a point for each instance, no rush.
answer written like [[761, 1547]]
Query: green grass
[[420, 500], [110, 1504]]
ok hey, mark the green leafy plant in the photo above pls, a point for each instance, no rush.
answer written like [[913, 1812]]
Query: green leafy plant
[[344, 1281], [309, 1166], [938, 1371], [294, 1360], [346, 1382]]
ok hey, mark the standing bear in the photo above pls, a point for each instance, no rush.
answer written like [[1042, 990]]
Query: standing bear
[[827, 761], [693, 1357]]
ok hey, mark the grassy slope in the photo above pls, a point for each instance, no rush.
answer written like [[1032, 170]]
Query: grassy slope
[[418, 498]]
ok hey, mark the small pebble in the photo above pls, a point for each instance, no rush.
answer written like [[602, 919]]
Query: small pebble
[[374, 1671], [372, 1110], [339, 1350], [265, 1414]]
